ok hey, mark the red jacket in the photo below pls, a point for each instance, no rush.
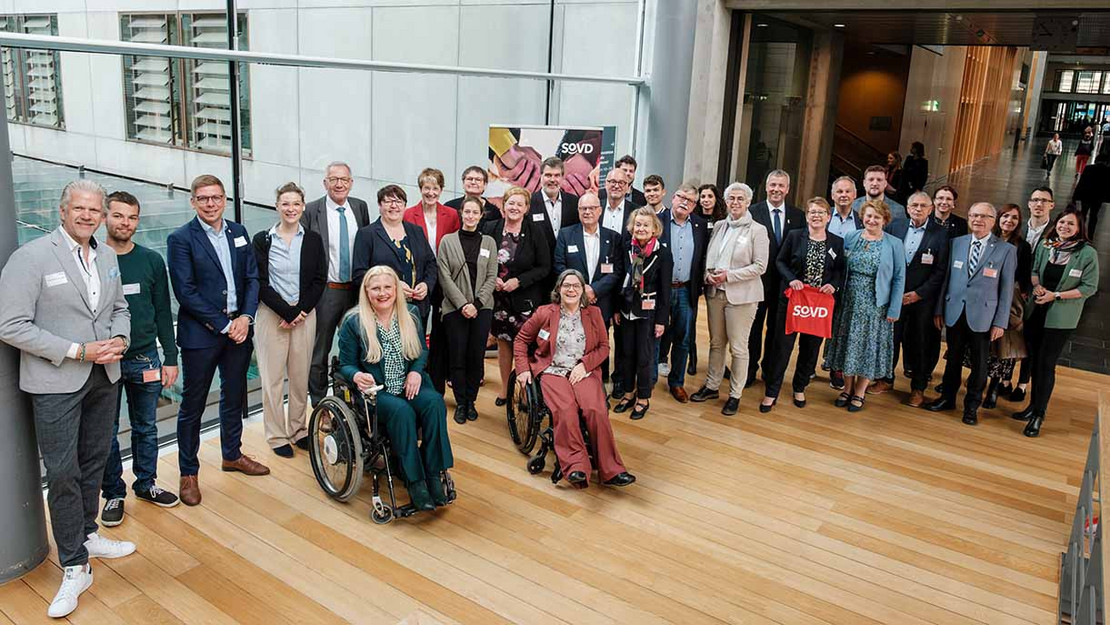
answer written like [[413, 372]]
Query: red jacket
[[547, 318], [447, 221]]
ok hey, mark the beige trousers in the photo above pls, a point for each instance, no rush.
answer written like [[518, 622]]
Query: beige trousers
[[729, 326], [284, 353]]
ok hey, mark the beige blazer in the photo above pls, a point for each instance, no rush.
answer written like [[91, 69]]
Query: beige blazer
[[454, 278], [750, 258]]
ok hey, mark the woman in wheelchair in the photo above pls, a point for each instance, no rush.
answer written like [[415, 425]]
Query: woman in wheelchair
[[382, 342], [566, 342]]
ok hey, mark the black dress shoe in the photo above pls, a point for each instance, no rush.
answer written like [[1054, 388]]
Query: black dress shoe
[[624, 404], [1018, 394], [703, 394], [991, 399], [460, 414], [576, 477], [621, 479], [500, 401], [285, 451], [842, 400], [971, 418], [1023, 415], [732, 406], [801, 403], [691, 369], [639, 411], [942, 403], [767, 407], [471, 412], [1033, 428], [302, 444]]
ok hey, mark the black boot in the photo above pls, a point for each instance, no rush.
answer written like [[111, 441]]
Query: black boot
[[1024, 415], [1033, 428], [991, 400]]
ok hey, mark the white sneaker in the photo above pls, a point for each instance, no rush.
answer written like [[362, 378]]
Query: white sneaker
[[664, 369], [75, 580], [100, 547]]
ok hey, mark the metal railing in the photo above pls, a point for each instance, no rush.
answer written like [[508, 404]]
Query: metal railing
[[1082, 595]]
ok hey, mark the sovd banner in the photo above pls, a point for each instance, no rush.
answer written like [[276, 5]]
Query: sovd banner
[[516, 154]]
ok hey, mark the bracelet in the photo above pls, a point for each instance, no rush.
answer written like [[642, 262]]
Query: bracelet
[[81, 353]]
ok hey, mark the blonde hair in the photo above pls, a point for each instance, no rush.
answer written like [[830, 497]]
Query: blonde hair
[[645, 211], [412, 344], [879, 207], [521, 191]]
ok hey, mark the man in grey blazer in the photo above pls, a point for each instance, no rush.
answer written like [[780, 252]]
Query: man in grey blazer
[[64, 309], [974, 305], [336, 217]]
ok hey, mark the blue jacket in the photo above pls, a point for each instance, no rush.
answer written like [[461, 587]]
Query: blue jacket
[[570, 253], [701, 231], [199, 283], [374, 247], [352, 350], [984, 296], [890, 280]]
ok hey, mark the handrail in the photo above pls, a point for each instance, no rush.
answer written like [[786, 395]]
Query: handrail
[[106, 46]]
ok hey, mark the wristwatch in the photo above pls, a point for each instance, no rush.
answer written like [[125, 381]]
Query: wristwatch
[[1056, 295]]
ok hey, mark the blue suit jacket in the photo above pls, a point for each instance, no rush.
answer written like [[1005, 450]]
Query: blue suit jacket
[[701, 242], [984, 296], [570, 253], [374, 247], [890, 280], [199, 283]]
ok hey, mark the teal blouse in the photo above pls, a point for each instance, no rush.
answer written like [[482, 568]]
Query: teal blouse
[[392, 368]]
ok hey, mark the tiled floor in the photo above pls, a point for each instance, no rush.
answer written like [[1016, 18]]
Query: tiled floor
[[1010, 177]]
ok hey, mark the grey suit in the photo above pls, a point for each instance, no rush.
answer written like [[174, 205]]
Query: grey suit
[[971, 303], [336, 299], [44, 311]]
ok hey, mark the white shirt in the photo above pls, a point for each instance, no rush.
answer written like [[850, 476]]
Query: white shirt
[[554, 210], [89, 273], [592, 243], [982, 247], [330, 209], [723, 257], [1033, 235], [431, 227], [781, 211], [613, 219]]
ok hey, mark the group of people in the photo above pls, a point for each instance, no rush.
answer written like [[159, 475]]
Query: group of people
[[419, 294]]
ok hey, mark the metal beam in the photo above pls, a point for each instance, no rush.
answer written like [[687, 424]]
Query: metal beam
[[104, 46]]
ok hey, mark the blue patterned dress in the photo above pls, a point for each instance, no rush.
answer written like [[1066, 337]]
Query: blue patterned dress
[[862, 338]]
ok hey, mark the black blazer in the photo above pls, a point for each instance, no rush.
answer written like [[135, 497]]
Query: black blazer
[[657, 283], [537, 214], [701, 243], [1023, 276], [637, 196], [489, 211], [531, 266], [315, 219], [925, 279], [570, 253], [794, 219], [791, 261], [956, 225], [1093, 188], [374, 247], [314, 275]]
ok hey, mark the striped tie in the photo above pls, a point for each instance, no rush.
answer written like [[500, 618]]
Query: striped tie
[[973, 262]]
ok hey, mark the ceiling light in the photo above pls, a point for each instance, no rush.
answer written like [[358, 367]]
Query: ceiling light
[[761, 25], [838, 25]]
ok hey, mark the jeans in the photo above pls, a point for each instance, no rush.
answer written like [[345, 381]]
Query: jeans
[[142, 407], [680, 335]]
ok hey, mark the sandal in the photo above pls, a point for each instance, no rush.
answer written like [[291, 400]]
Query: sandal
[[842, 400], [624, 404], [856, 403]]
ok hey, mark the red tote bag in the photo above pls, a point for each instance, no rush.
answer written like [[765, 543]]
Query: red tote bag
[[809, 311]]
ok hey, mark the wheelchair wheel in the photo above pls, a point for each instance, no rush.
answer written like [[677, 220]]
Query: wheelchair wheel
[[335, 449], [523, 414], [382, 517]]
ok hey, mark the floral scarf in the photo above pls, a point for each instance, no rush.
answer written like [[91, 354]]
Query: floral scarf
[[640, 254], [1062, 249]]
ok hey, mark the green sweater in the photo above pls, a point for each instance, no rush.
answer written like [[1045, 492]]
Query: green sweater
[[147, 289]]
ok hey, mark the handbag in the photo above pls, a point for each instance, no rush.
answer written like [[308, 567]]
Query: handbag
[[809, 311]]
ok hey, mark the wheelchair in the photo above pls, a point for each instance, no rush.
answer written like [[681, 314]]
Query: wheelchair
[[525, 412], [345, 442]]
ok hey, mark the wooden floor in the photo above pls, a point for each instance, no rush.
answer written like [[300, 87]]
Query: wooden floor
[[893, 515]]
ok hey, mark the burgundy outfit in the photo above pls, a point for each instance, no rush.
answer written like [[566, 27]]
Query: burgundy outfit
[[565, 400]]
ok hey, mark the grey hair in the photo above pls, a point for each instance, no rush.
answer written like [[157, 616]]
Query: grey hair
[[994, 211], [777, 173], [337, 164], [922, 193], [686, 186], [741, 187], [843, 179], [83, 185], [557, 299]]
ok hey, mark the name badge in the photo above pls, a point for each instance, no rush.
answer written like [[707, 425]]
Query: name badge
[[832, 254], [484, 253], [132, 289], [990, 273], [55, 279], [152, 375], [537, 216], [544, 334], [926, 259], [1075, 273], [647, 304], [606, 267], [240, 241], [572, 249], [957, 264]]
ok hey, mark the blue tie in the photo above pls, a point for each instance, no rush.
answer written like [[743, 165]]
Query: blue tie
[[344, 247], [973, 262], [778, 227]]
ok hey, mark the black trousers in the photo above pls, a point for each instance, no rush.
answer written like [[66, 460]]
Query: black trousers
[[917, 337], [1045, 346], [808, 348], [466, 347], [1090, 210], [765, 315], [962, 339], [334, 303], [637, 356]]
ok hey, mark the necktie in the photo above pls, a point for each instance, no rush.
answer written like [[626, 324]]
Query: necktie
[[973, 261], [344, 247], [778, 227]]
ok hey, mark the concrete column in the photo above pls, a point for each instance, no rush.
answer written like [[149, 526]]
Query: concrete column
[[664, 106], [707, 90], [820, 123], [23, 543]]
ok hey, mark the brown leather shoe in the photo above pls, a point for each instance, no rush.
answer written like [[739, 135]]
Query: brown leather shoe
[[917, 398], [246, 464], [679, 394], [189, 490], [878, 388]]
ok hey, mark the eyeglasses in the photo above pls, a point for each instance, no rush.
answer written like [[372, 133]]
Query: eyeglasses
[[338, 180], [570, 286], [209, 199], [618, 183], [474, 179], [980, 216], [684, 199], [734, 200], [589, 207], [393, 201], [1040, 200]]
